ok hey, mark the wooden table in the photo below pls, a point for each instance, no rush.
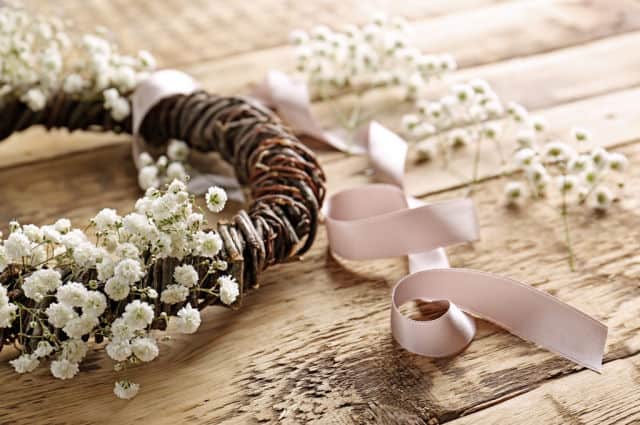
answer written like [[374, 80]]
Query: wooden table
[[313, 344]]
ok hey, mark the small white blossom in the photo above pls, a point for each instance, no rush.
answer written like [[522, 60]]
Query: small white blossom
[[43, 349], [209, 244], [63, 225], [178, 150], [144, 349], [60, 314], [138, 314], [95, 303], [580, 135], [74, 350], [186, 275], [17, 246], [188, 320], [119, 349], [117, 289], [216, 198], [64, 369], [174, 294], [128, 270], [617, 162], [25, 363], [568, 183], [126, 390], [73, 294], [35, 99], [105, 219], [80, 326], [40, 283], [148, 177], [602, 198], [229, 289]]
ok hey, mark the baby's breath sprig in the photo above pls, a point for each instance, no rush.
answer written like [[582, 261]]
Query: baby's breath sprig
[[358, 58], [40, 59], [53, 309], [583, 173]]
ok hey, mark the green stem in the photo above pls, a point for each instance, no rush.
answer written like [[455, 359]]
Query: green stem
[[567, 233]]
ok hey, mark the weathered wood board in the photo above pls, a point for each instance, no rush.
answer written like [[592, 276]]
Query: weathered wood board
[[313, 344]]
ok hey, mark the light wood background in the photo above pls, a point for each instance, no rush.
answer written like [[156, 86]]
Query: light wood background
[[313, 344]]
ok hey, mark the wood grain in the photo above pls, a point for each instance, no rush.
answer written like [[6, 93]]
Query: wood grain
[[313, 345], [320, 349], [549, 26]]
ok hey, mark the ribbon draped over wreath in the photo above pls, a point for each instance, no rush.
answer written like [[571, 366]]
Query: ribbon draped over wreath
[[380, 220]]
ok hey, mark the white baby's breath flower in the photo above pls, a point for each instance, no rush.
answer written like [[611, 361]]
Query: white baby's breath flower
[[602, 198], [35, 99], [120, 329], [174, 294], [74, 83], [64, 369], [74, 350], [538, 123], [95, 303], [176, 170], [229, 289], [128, 270], [117, 289], [580, 134], [17, 246], [188, 320], [567, 183], [524, 157], [43, 349], [63, 225], [216, 199], [60, 314], [557, 151], [40, 283], [186, 275], [617, 162], [209, 244], [73, 294], [34, 233], [515, 193], [148, 177], [25, 363], [119, 349], [459, 137], [138, 314], [126, 390], [600, 158], [178, 150], [80, 326], [144, 349], [525, 138], [105, 219]]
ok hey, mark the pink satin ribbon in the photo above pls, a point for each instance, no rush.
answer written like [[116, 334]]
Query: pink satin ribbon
[[379, 221]]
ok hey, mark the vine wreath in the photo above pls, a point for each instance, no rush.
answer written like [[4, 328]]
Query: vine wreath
[[60, 288]]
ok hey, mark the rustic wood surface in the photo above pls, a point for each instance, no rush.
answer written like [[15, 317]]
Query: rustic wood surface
[[313, 344]]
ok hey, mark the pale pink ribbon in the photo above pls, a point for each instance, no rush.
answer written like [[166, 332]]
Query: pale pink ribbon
[[158, 86], [379, 221]]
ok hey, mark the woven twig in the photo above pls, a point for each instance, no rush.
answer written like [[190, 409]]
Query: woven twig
[[284, 177]]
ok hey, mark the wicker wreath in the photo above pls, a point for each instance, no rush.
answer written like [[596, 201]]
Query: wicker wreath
[[285, 180]]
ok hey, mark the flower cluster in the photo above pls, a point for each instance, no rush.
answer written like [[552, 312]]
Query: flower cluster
[[461, 117], [583, 174], [376, 54], [61, 286], [40, 59], [172, 166]]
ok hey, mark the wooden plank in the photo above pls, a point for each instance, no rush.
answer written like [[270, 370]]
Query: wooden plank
[[547, 29], [612, 118], [514, 30], [180, 32], [313, 343], [583, 398]]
